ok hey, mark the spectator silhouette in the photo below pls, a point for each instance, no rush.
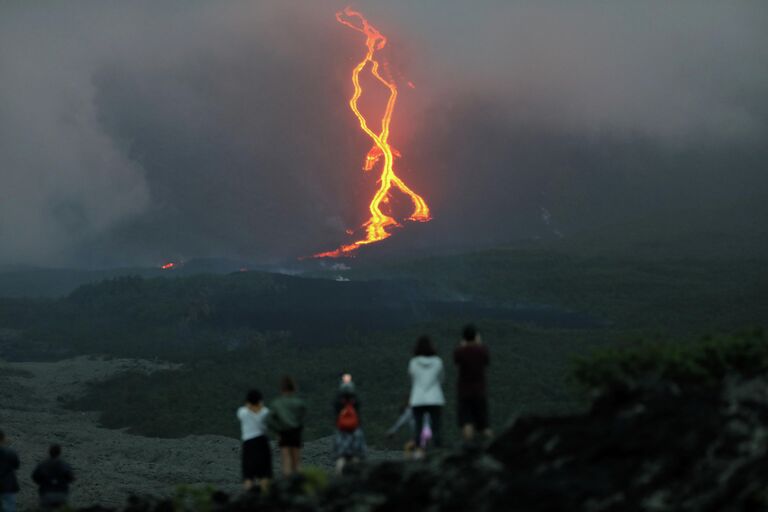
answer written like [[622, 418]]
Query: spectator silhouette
[[471, 358], [427, 398], [53, 477], [349, 440], [9, 485], [256, 451], [286, 418]]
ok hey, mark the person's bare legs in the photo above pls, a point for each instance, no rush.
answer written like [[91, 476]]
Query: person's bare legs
[[287, 460], [264, 485], [488, 433], [468, 432], [296, 459], [408, 449], [247, 484], [340, 462]]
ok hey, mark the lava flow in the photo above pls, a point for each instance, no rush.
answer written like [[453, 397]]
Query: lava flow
[[376, 227]]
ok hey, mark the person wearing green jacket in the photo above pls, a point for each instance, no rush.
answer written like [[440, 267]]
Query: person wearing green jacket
[[286, 419]]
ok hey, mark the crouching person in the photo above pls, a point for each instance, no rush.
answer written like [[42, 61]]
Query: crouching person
[[53, 477]]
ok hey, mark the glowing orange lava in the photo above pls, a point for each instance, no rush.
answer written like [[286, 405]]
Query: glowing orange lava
[[376, 226], [168, 266]]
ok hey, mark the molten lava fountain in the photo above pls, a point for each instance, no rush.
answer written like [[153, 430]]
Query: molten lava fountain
[[376, 227]]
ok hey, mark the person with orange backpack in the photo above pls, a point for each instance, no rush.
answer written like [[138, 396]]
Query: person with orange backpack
[[349, 441]]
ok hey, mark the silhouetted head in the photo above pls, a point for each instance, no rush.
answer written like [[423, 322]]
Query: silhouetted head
[[254, 397], [288, 385], [54, 451], [469, 333], [424, 347]]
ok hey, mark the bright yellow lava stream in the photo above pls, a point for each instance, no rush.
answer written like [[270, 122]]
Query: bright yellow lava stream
[[376, 226]]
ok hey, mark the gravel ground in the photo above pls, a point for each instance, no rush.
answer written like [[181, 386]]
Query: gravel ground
[[111, 464]]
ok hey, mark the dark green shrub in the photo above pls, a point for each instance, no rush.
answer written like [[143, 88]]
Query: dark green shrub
[[703, 362]]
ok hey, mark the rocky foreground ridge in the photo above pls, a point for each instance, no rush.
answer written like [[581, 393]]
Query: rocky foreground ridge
[[651, 446]]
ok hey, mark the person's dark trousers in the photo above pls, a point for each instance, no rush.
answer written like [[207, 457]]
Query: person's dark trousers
[[434, 412], [8, 502], [53, 500]]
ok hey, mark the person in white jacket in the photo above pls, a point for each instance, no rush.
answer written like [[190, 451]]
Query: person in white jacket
[[427, 398]]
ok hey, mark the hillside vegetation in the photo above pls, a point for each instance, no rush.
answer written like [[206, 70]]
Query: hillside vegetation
[[539, 306]]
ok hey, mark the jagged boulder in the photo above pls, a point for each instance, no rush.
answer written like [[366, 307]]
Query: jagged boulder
[[650, 448]]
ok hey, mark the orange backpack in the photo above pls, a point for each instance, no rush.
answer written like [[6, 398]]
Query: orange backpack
[[348, 421]]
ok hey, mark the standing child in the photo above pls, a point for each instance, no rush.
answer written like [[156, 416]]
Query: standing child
[[257, 454], [286, 418]]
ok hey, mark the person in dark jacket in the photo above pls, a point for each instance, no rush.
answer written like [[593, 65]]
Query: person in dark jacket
[[9, 485], [53, 477], [472, 360]]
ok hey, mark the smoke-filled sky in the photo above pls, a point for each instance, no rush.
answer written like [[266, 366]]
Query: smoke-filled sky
[[142, 131]]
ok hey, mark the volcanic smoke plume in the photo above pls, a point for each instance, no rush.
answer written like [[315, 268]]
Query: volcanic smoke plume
[[143, 132], [377, 224]]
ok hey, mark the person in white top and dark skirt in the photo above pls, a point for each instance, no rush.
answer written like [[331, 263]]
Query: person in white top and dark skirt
[[427, 398], [257, 454]]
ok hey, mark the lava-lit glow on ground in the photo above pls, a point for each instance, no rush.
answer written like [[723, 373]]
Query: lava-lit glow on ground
[[378, 225]]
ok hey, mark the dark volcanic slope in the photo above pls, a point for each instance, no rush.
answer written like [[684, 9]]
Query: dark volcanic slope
[[134, 315], [28, 281]]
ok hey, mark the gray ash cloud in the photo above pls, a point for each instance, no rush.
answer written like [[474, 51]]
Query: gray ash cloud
[[138, 131]]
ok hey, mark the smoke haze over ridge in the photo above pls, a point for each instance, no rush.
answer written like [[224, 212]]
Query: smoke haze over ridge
[[138, 131]]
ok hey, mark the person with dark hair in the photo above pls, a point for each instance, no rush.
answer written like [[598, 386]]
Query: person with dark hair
[[9, 485], [256, 453], [53, 477], [349, 440], [286, 418], [472, 358], [426, 399]]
